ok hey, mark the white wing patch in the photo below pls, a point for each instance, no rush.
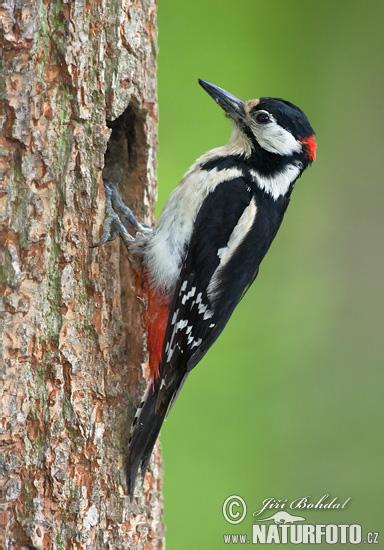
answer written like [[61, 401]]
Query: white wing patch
[[237, 236], [189, 295], [203, 309], [279, 184], [182, 325]]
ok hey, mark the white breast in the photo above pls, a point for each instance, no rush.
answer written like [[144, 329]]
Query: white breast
[[165, 248]]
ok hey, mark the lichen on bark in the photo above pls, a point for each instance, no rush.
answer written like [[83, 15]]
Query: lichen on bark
[[73, 355]]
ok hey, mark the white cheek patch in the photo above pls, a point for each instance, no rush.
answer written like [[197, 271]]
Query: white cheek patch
[[274, 138]]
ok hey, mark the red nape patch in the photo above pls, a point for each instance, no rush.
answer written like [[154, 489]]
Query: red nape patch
[[157, 320], [310, 147]]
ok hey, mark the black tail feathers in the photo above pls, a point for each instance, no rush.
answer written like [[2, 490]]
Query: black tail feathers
[[146, 426]]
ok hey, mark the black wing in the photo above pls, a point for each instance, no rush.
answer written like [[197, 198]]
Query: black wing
[[209, 288]]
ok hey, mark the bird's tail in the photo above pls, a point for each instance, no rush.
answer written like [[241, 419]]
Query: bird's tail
[[146, 426]]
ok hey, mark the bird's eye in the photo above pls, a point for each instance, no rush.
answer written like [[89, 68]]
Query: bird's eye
[[262, 117]]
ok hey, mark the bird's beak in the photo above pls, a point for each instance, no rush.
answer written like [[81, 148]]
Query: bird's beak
[[232, 105]]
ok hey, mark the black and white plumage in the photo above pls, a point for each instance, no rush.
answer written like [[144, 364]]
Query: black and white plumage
[[206, 249]]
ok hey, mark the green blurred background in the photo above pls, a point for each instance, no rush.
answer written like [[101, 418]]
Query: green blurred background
[[288, 402]]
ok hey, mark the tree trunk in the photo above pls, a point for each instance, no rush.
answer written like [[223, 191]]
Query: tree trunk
[[78, 96]]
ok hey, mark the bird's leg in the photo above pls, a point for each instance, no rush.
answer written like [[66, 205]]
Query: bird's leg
[[117, 218]]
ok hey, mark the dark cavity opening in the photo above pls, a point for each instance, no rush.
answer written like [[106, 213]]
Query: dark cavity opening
[[125, 164], [125, 161]]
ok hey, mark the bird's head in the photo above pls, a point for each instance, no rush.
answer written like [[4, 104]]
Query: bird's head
[[268, 124]]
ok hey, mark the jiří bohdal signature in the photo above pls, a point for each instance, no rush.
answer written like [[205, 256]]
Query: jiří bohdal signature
[[325, 502]]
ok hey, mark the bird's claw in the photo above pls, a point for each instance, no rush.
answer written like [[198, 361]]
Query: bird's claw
[[123, 210], [117, 216]]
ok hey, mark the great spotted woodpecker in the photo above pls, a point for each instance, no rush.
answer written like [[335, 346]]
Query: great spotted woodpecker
[[206, 248]]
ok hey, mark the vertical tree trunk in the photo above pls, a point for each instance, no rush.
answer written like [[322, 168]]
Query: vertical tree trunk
[[78, 94]]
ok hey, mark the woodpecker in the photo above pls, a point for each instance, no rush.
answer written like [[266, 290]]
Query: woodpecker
[[206, 248]]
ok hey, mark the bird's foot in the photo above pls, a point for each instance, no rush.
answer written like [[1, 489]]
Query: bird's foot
[[118, 216]]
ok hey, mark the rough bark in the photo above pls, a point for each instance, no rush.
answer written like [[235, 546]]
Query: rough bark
[[77, 93]]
